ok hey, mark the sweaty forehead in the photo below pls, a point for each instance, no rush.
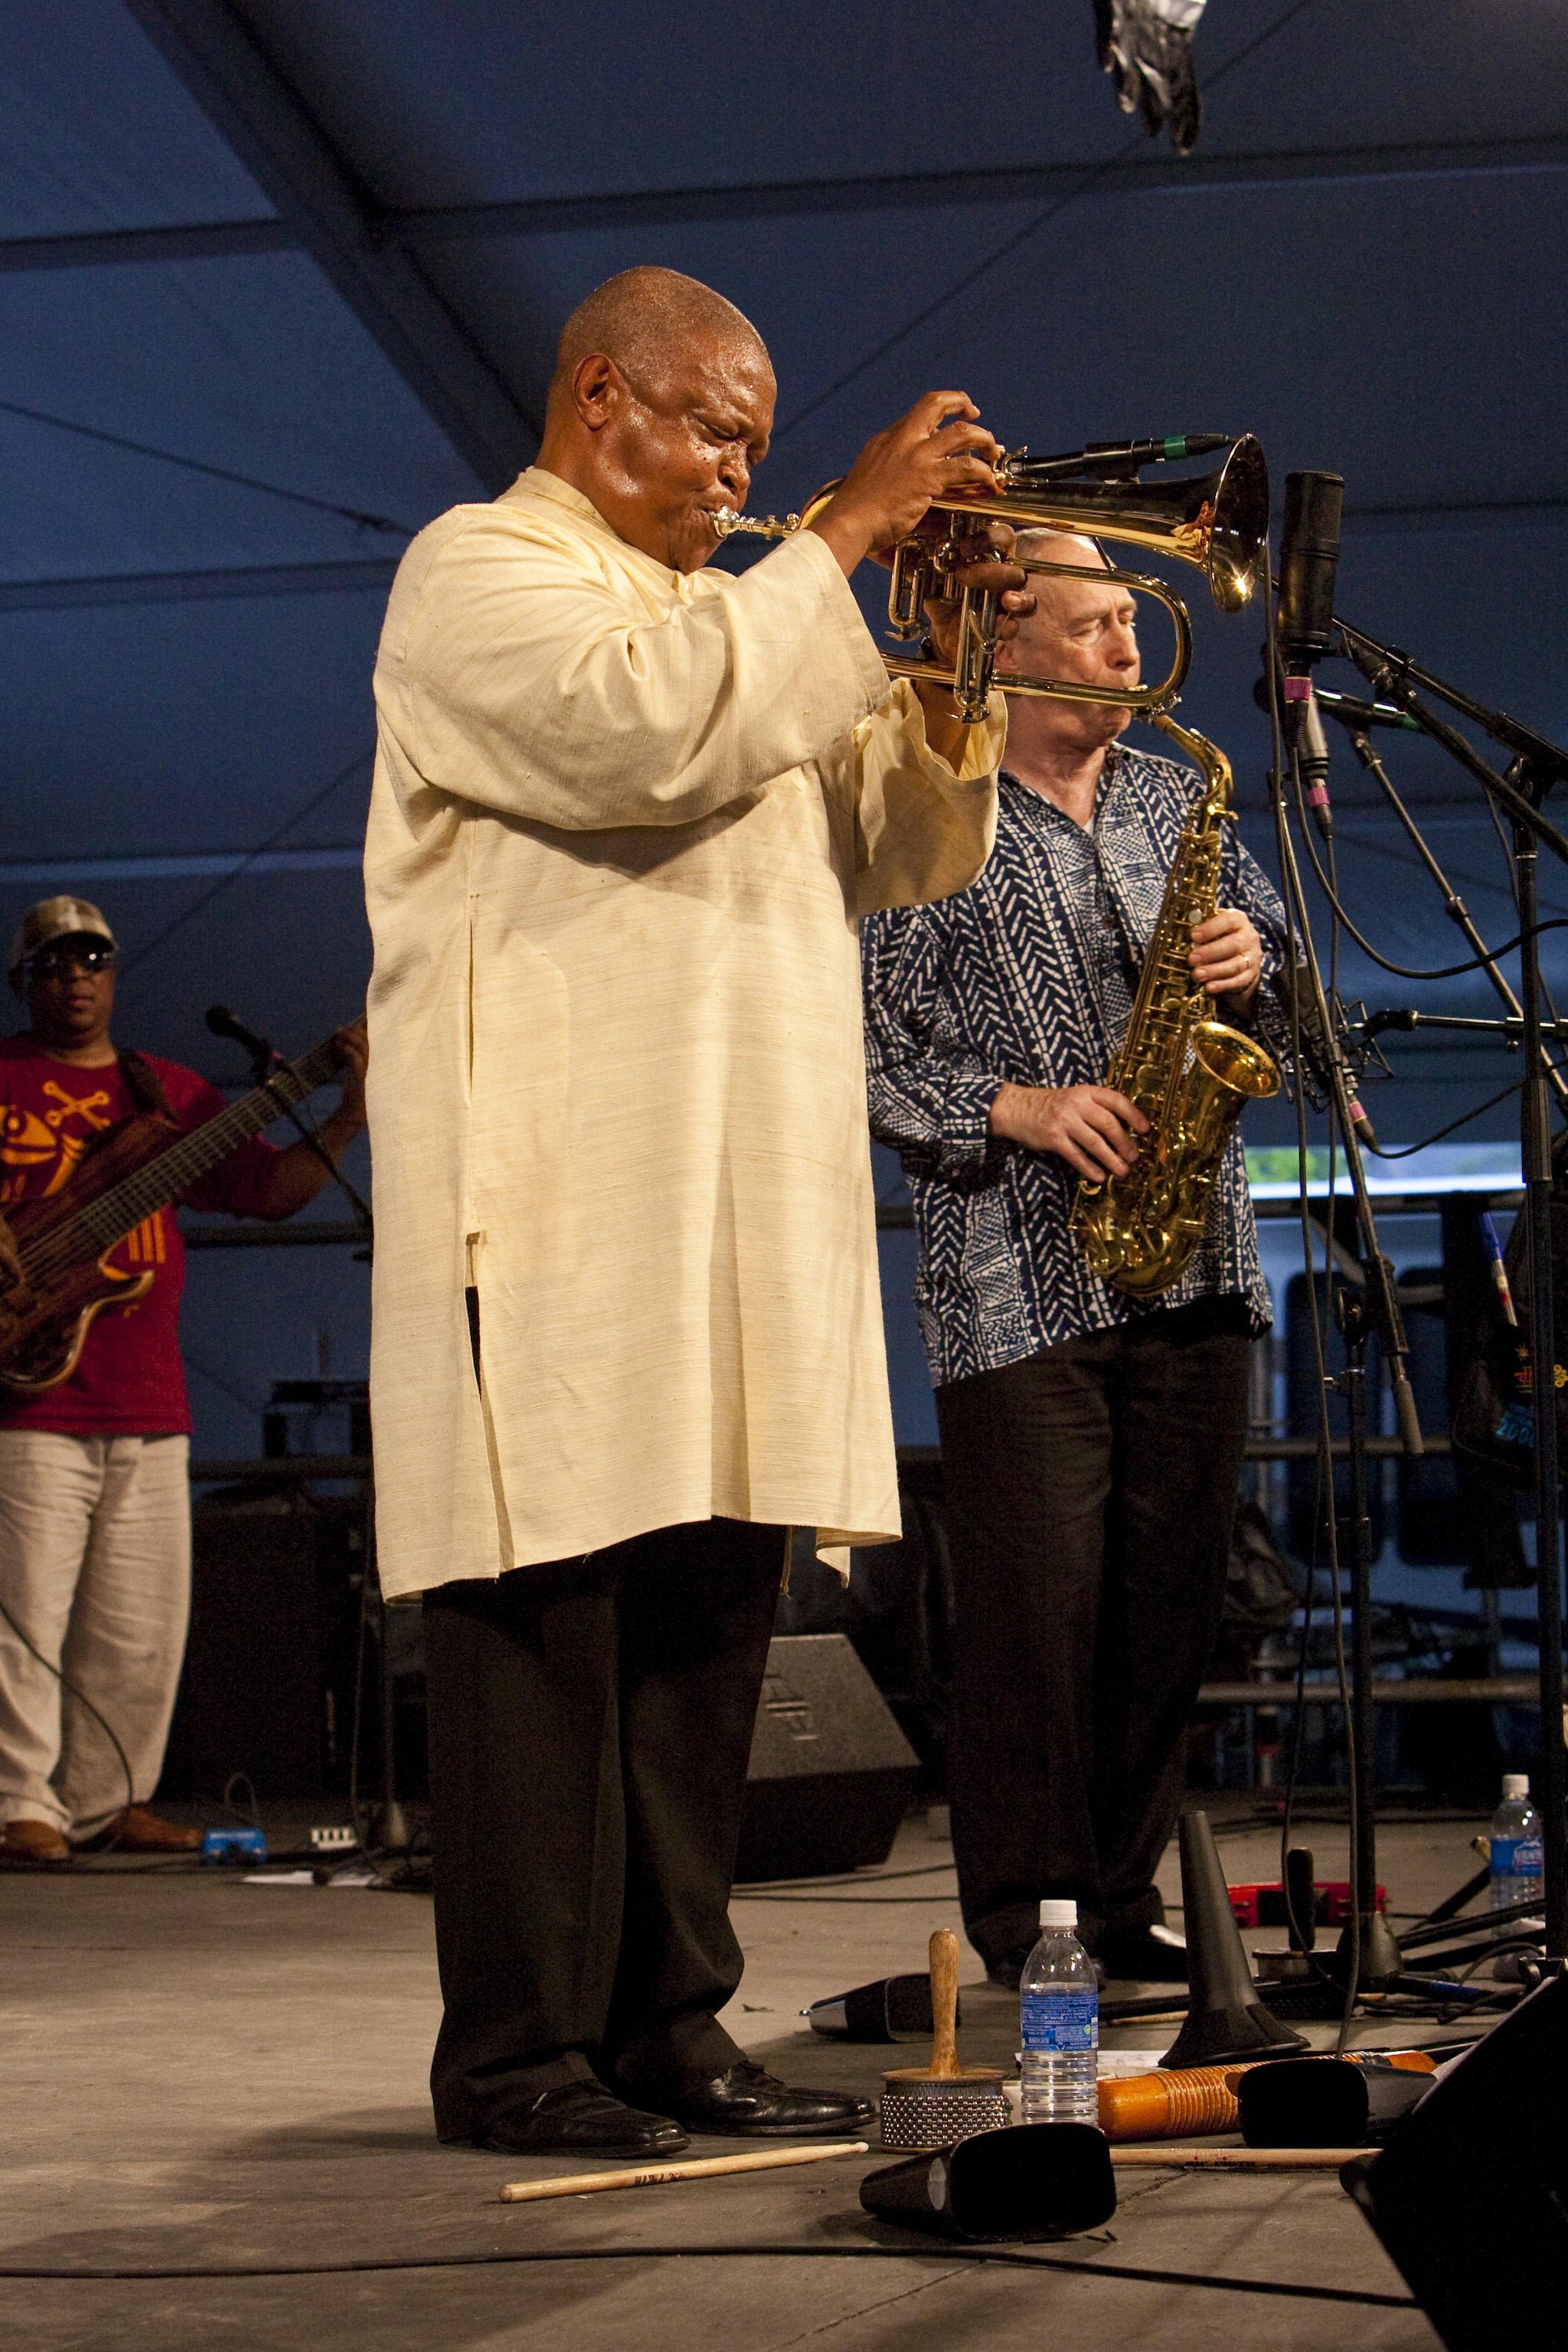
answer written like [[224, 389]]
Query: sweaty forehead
[[730, 372]]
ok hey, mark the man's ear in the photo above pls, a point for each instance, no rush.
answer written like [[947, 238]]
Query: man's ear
[[598, 388]]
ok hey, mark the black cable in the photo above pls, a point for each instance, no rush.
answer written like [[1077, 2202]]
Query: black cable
[[1521, 1944], [218, 472], [301, 1116], [357, 1711], [1403, 971], [1509, 887], [1396, 853], [1441, 971], [769, 1893], [739, 1894], [81, 1699], [1289, 882], [1404, 1150], [758, 1888], [1510, 884], [1356, 1792], [917, 2250], [250, 1814], [1337, 1603], [1304, 1931], [1293, 967]]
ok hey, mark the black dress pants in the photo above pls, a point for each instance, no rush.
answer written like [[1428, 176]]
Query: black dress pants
[[1090, 1490], [590, 1728]]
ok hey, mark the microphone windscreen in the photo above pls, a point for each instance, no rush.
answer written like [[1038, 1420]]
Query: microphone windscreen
[[1308, 561]]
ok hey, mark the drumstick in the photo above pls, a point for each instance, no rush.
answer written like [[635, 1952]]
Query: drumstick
[[1236, 2159], [699, 2168]]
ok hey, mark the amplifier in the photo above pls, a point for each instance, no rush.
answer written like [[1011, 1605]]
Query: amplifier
[[831, 1775]]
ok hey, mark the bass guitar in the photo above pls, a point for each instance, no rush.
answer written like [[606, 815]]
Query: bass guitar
[[129, 1172]]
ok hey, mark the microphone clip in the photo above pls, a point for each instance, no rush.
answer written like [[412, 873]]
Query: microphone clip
[[1353, 1048], [264, 1055]]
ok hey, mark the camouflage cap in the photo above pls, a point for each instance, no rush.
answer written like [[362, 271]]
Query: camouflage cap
[[56, 919]]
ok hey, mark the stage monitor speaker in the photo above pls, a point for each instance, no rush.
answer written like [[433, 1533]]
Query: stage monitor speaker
[[267, 1687], [831, 1775], [1470, 2197]]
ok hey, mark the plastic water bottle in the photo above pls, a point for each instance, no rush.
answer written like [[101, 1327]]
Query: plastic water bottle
[[1516, 1857], [1060, 2006]]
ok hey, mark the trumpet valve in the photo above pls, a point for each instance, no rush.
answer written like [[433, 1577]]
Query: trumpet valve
[[908, 588]]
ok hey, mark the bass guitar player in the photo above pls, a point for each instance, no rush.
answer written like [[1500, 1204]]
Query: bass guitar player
[[94, 1495]]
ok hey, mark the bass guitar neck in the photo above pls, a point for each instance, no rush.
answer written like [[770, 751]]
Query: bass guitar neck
[[127, 1175]]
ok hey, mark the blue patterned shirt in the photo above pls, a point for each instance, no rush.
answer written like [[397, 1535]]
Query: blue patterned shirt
[[1030, 975]]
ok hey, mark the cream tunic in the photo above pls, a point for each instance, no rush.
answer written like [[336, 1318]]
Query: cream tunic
[[622, 826]]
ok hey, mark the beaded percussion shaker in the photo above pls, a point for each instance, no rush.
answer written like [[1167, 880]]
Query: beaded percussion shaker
[[927, 2107]]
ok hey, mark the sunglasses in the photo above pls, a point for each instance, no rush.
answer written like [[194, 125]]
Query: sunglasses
[[50, 962]]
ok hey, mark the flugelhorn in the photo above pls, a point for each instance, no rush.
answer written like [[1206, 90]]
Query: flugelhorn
[[1218, 521]]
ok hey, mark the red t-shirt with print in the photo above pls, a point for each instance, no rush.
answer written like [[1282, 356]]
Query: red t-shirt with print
[[129, 1381]]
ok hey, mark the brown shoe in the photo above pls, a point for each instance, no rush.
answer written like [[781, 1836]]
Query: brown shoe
[[136, 1830], [33, 1841]]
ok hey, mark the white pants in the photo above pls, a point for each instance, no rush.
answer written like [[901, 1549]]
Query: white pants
[[95, 1570]]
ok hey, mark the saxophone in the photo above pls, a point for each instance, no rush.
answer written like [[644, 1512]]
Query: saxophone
[[1188, 1074]]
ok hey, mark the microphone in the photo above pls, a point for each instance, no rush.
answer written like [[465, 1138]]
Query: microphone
[[225, 1023], [1350, 712], [1308, 560], [1345, 708], [1312, 756], [1114, 460], [1311, 747], [1322, 1055]]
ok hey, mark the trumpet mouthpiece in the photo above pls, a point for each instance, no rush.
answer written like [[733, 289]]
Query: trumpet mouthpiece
[[726, 524]]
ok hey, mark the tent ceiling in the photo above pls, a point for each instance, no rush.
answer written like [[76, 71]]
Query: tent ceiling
[[329, 248]]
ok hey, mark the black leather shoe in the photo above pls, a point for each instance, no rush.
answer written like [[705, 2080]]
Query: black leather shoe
[[749, 2104], [582, 2119]]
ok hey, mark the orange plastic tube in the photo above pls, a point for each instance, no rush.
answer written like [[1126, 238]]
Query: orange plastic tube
[[1192, 2100], [1177, 2105]]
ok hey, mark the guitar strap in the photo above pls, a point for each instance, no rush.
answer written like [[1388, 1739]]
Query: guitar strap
[[143, 1086]]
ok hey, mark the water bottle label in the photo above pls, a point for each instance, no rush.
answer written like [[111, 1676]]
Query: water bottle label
[[1516, 1857], [1066, 2021]]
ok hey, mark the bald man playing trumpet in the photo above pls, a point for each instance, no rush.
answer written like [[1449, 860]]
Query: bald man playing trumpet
[[627, 813]]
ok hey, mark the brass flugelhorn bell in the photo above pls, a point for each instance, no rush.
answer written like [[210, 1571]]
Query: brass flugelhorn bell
[[1218, 521]]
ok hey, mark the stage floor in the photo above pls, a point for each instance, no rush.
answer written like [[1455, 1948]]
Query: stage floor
[[217, 2134]]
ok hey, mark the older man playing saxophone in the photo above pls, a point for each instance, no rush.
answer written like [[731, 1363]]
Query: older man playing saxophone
[[1091, 1440]]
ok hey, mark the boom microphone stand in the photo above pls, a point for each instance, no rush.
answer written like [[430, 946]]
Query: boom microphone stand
[[264, 1059], [391, 1829], [1367, 1948], [1535, 765], [1454, 906]]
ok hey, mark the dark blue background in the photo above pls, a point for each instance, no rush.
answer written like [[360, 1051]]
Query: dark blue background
[[1363, 263]]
